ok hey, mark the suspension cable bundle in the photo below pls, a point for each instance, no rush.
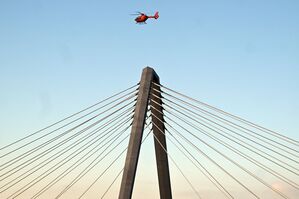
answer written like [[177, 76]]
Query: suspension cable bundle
[[235, 158]]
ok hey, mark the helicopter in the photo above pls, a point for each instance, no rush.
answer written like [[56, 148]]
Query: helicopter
[[141, 19]]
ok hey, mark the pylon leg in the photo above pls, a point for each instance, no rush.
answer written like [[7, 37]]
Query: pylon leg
[[159, 132]]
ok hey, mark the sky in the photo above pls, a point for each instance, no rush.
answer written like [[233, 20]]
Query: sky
[[57, 57]]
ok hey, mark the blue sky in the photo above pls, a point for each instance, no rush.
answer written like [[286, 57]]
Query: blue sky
[[57, 57]]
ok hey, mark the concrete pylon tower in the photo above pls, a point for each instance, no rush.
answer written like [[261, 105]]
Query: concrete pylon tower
[[147, 91]]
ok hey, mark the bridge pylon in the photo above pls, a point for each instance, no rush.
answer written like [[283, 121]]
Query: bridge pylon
[[147, 91]]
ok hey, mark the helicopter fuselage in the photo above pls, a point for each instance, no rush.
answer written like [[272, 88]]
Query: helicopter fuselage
[[141, 18]]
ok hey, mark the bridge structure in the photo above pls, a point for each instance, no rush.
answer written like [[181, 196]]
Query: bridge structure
[[77, 156]]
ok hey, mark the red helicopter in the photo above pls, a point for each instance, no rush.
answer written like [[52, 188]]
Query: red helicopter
[[141, 19]]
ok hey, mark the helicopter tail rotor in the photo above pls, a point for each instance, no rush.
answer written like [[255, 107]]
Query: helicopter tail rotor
[[156, 16]]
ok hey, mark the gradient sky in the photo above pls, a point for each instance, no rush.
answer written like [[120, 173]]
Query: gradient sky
[[57, 57]]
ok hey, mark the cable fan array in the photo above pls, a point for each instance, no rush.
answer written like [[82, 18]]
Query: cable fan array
[[218, 155], [239, 158], [77, 151]]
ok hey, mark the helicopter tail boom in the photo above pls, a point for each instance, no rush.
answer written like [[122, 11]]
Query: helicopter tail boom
[[156, 16]]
